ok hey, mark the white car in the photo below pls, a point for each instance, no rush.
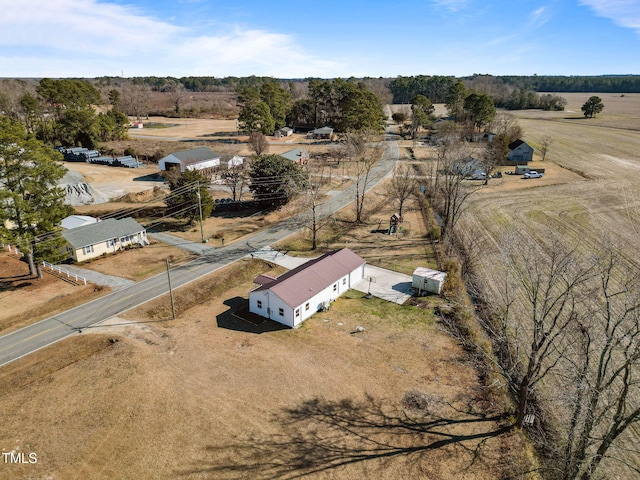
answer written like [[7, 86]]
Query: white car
[[532, 174]]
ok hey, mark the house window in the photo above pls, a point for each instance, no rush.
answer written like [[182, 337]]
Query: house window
[[260, 304], [344, 281], [306, 307], [281, 312], [335, 287], [297, 312], [87, 250], [126, 239], [111, 243]]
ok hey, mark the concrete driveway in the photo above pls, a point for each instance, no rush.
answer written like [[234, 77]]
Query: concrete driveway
[[386, 284]]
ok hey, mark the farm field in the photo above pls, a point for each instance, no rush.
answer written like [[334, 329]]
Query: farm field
[[597, 201]]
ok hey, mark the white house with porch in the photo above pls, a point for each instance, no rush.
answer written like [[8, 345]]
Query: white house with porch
[[108, 236], [296, 295]]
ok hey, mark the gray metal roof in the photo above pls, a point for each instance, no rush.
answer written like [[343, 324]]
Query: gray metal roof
[[101, 232], [323, 130], [295, 155], [195, 155], [300, 284]]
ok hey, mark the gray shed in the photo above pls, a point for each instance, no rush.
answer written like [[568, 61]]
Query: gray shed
[[428, 280]]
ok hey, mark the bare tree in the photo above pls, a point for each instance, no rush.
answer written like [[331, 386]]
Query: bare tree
[[545, 143], [258, 143], [311, 185], [539, 307], [606, 385], [403, 185], [506, 129], [177, 93], [236, 180], [364, 155], [451, 189], [135, 100]]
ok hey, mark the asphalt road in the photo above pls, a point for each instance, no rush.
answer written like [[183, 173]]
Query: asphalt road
[[39, 335]]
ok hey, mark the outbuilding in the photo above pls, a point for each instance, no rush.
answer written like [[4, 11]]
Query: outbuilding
[[195, 159], [296, 295], [520, 151], [428, 280]]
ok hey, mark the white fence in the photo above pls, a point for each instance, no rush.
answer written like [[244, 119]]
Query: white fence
[[62, 271]]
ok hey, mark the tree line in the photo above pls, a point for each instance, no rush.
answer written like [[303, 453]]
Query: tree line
[[64, 112]]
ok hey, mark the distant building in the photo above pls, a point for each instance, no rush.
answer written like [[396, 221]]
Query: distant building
[[283, 132], [297, 155], [520, 151], [296, 295], [195, 159], [108, 236], [321, 133], [231, 161]]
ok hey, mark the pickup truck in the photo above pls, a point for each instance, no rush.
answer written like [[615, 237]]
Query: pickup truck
[[532, 174]]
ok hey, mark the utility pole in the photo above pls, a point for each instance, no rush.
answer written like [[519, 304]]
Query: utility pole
[[200, 212], [173, 307]]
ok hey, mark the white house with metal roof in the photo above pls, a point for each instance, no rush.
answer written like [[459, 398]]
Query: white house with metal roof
[[195, 159], [107, 236], [296, 295]]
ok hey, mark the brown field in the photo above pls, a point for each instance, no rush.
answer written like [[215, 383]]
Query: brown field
[[27, 299], [210, 396], [592, 199]]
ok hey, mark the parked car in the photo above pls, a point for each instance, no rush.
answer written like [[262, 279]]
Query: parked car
[[533, 174], [479, 176]]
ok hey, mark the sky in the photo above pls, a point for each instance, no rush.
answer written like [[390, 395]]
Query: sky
[[326, 38]]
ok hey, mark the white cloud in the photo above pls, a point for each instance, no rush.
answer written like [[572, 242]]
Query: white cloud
[[453, 5], [65, 38], [539, 17], [625, 13]]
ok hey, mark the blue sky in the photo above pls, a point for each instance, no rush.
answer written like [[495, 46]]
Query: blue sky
[[326, 38]]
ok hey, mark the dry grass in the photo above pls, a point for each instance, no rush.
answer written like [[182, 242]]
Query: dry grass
[[27, 299], [598, 205], [139, 263], [204, 397]]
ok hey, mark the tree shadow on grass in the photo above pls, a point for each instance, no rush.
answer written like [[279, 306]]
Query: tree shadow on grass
[[321, 436], [11, 283]]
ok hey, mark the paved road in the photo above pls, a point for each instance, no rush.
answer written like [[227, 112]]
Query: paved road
[[34, 337]]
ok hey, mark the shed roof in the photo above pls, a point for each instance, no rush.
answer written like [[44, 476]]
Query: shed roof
[[300, 284], [429, 273], [323, 130], [195, 155], [101, 232]]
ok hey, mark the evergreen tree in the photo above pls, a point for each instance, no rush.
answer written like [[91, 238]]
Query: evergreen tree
[[183, 200], [592, 106], [31, 203], [274, 179]]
